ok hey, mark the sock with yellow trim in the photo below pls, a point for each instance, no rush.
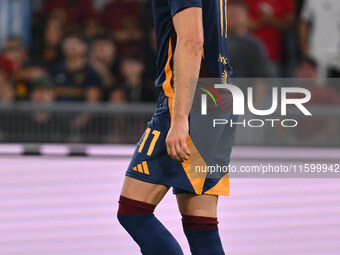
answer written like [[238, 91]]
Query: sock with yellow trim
[[148, 232]]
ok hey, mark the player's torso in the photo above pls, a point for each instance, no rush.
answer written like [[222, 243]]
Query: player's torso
[[215, 63]]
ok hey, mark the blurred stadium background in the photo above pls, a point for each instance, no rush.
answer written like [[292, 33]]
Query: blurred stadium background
[[76, 78]]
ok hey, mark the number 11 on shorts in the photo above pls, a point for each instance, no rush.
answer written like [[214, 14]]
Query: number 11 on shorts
[[156, 135]]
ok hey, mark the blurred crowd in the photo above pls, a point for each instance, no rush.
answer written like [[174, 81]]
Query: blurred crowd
[[105, 50], [77, 51]]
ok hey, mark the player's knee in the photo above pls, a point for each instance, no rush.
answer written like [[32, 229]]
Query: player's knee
[[199, 222], [129, 207]]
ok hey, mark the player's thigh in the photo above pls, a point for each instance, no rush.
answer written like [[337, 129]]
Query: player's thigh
[[143, 191], [197, 205]]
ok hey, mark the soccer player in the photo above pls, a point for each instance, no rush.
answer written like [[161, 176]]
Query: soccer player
[[192, 43]]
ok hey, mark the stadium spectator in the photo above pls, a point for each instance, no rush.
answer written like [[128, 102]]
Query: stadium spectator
[[7, 65], [42, 123], [30, 71], [118, 96], [6, 96], [25, 69], [269, 19], [136, 88], [103, 60], [319, 33], [307, 72], [150, 47], [7, 93], [72, 13], [36, 126], [122, 18], [50, 51], [15, 20], [247, 54], [316, 130], [42, 90], [74, 78], [321, 94], [6, 88], [99, 4], [16, 50]]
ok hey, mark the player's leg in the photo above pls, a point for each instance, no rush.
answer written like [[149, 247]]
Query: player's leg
[[199, 218], [136, 206], [143, 191]]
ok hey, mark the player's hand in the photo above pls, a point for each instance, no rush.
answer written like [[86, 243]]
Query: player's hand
[[176, 140]]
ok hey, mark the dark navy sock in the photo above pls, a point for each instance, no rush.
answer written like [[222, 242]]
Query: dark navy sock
[[202, 234], [148, 232]]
